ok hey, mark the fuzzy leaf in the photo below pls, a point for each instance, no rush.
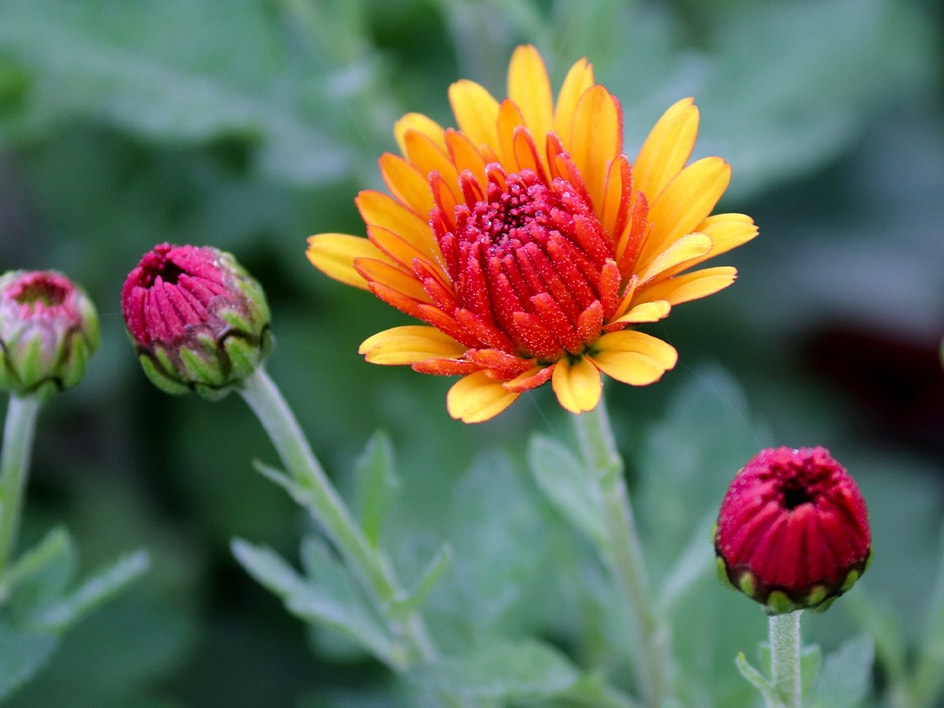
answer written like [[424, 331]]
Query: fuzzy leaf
[[559, 474], [22, 654], [847, 675], [501, 671], [377, 482]]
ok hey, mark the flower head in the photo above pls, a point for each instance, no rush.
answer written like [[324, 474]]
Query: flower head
[[530, 245], [793, 530], [198, 320], [48, 330]]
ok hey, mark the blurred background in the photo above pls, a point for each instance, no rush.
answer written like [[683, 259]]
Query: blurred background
[[250, 124]]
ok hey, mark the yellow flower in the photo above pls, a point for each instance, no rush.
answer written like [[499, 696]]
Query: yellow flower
[[529, 245]]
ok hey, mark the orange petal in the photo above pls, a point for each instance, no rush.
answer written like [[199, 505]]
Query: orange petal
[[476, 111], [686, 202], [406, 183], [408, 345], [646, 312], [379, 209], [391, 276], [334, 255], [530, 88], [429, 156], [465, 156], [578, 80], [578, 385], [635, 358], [421, 124], [476, 398], [667, 149], [691, 286], [509, 118], [595, 139]]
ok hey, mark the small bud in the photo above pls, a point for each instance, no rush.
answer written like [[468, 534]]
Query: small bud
[[793, 530], [197, 319], [48, 330]]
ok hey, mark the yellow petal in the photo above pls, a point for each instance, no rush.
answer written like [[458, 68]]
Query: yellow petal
[[429, 156], [691, 286], [334, 255], [684, 250], [578, 386], [667, 148], [530, 88], [476, 398], [686, 202], [406, 183], [647, 312], [476, 111], [595, 139], [727, 231], [382, 210], [421, 124], [408, 345], [635, 358], [578, 80]]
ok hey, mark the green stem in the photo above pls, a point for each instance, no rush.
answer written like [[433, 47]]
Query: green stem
[[18, 433], [623, 551], [785, 657], [266, 401]]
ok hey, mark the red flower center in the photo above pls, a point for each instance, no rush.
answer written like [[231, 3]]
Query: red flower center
[[526, 260]]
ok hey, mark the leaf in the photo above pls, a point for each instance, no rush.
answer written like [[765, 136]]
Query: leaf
[[94, 591], [694, 563], [560, 475], [847, 675], [329, 596], [756, 679], [377, 482], [40, 576], [410, 602], [22, 654], [501, 671], [141, 67]]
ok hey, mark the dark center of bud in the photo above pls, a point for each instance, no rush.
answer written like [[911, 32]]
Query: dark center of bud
[[41, 290], [795, 494]]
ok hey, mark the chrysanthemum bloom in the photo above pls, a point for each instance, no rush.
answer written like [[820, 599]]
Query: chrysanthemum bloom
[[529, 244], [198, 320], [48, 330], [793, 530]]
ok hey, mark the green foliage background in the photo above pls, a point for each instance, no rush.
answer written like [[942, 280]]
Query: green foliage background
[[249, 124]]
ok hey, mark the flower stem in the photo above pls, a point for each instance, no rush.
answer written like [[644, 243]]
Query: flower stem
[[785, 657], [18, 432], [266, 401], [623, 550]]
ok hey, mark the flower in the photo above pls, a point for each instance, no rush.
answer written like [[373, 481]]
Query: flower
[[197, 319], [530, 246], [793, 530], [48, 330]]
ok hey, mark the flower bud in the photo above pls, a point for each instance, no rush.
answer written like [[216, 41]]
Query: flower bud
[[48, 330], [793, 530], [197, 319]]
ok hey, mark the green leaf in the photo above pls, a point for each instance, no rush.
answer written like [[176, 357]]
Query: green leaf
[[695, 562], [501, 671], [403, 606], [22, 654], [377, 482], [561, 476], [847, 675], [329, 596], [95, 590], [40, 576], [140, 67], [757, 680]]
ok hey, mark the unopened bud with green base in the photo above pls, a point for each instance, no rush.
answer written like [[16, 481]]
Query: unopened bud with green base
[[198, 321]]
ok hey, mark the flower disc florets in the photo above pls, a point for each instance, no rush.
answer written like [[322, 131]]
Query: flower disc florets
[[793, 530], [530, 246], [198, 320], [48, 330]]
